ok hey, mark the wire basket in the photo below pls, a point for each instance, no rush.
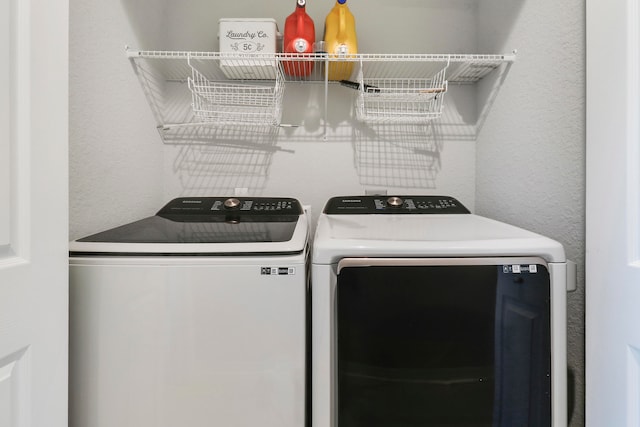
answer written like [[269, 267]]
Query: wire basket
[[410, 101], [241, 102]]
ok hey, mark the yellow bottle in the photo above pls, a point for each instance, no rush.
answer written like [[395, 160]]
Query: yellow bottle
[[340, 40]]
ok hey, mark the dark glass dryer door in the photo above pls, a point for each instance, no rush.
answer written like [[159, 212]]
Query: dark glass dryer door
[[443, 342]]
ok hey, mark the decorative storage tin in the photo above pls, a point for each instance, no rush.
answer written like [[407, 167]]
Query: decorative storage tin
[[248, 36]]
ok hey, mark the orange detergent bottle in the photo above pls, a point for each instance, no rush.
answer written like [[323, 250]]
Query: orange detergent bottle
[[340, 40], [299, 36]]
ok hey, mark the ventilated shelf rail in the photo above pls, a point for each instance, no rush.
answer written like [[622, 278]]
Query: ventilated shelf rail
[[187, 89]]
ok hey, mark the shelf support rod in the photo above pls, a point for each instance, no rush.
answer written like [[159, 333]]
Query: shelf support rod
[[326, 95]]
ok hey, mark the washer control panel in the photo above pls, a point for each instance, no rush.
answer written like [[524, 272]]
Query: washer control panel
[[362, 205], [256, 208]]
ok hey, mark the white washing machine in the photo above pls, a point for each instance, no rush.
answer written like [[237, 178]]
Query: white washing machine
[[424, 314], [193, 317]]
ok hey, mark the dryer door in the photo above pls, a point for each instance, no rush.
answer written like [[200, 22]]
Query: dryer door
[[457, 342]]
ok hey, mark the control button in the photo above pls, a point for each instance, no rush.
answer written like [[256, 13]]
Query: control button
[[395, 202], [231, 203]]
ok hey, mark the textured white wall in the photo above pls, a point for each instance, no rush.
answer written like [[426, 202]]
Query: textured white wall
[[531, 151], [115, 159]]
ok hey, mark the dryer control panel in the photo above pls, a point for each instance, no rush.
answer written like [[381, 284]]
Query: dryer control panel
[[363, 205]]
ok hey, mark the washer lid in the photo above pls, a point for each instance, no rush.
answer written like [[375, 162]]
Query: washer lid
[[208, 225]]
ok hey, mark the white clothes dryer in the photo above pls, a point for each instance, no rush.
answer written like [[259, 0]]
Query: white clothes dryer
[[195, 316], [424, 314]]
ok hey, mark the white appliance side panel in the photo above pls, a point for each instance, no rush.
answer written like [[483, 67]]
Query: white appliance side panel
[[558, 277], [165, 346], [323, 284]]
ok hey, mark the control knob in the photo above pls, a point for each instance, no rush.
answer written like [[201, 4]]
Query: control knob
[[231, 203], [395, 202]]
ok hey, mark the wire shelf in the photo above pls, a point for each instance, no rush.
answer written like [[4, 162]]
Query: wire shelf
[[463, 68], [235, 88], [242, 102]]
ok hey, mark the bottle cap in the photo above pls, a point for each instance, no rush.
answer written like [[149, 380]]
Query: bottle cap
[[301, 3], [342, 1], [300, 45]]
